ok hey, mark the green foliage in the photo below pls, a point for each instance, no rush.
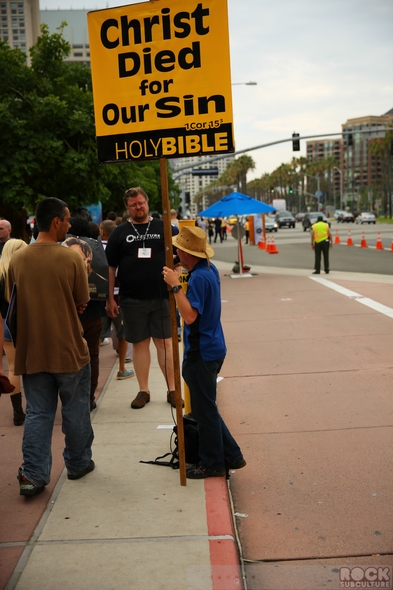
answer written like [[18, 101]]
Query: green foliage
[[47, 140], [293, 175], [236, 172], [382, 149]]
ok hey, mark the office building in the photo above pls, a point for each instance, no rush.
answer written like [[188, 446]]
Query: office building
[[325, 148], [19, 23], [20, 26], [358, 171], [193, 181], [76, 32], [360, 167]]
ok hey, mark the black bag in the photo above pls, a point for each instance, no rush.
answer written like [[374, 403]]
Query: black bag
[[191, 445], [97, 265]]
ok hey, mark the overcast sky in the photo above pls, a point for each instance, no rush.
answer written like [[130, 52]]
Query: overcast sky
[[317, 63]]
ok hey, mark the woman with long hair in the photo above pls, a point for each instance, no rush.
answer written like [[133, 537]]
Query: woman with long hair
[[10, 247]]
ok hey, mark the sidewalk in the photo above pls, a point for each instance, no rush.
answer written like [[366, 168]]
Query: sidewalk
[[126, 525], [307, 393]]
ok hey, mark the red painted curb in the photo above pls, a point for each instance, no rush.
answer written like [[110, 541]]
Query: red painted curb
[[224, 558]]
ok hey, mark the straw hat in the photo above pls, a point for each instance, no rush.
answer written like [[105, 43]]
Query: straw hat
[[192, 239]]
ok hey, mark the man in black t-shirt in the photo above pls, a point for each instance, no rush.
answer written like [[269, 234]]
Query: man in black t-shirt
[[136, 249]]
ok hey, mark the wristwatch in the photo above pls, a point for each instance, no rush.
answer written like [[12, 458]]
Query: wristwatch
[[176, 288]]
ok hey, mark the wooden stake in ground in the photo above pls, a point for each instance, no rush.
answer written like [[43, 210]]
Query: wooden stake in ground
[[172, 305]]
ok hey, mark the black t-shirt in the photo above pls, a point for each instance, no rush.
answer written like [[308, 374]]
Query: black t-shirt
[[139, 277]]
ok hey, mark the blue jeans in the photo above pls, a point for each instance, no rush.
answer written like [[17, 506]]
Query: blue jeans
[[7, 334], [216, 444], [42, 391]]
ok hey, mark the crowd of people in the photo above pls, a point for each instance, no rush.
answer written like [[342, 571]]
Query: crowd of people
[[72, 313]]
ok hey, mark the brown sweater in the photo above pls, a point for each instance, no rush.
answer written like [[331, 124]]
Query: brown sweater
[[51, 281]]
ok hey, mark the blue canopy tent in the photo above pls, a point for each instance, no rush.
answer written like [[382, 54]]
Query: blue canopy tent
[[237, 204]]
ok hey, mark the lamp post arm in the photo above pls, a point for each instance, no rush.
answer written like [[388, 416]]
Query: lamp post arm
[[264, 145]]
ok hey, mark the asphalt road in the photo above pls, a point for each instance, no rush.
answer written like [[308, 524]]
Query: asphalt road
[[294, 247]]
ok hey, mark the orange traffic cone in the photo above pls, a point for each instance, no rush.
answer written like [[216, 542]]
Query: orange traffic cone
[[261, 243], [337, 238], [273, 247], [268, 245], [349, 240], [391, 247], [363, 243], [379, 245]]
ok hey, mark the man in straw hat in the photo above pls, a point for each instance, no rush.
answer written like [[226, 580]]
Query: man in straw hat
[[204, 351]]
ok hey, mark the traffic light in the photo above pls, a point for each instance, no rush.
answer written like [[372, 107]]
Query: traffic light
[[391, 147], [295, 142], [290, 190], [272, 189], [350, 140]]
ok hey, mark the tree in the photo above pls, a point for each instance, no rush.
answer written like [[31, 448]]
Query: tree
[[47, 141], [236, 173], [383, 150], [290, 175]]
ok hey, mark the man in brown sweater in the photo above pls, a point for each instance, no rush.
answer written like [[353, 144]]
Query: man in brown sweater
[[51, 353]]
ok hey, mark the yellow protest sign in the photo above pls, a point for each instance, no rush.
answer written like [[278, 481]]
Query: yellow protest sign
[[161, 80]]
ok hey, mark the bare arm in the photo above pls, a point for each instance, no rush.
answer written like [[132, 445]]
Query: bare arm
[[188, 313], [81, 288], [112, 309]]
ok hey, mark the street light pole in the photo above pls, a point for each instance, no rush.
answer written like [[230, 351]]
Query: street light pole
[[341, 184], [244, 83]]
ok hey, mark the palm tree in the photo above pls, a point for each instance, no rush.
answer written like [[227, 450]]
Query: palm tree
[[236, 173], [244, 164]]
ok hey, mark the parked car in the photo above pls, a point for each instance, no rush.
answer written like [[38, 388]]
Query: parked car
[[345, 217], [365, 217], [310, 218], [270, 224], [285, 219]]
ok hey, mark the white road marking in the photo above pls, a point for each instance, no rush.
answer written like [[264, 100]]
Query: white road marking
[[356, 296]]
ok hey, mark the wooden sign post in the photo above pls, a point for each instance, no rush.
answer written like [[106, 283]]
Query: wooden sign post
[[162, 89], [172, 305]]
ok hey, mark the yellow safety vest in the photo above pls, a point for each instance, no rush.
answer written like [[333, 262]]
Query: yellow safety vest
[[321, 231]]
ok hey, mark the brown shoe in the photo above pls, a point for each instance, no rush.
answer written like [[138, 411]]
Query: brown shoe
[[170, 398], [141, 400]]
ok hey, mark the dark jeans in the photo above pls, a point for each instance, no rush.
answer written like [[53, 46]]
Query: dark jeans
[[322, 248], [216, 444], [218, 233], [42, 391], [91, 333]]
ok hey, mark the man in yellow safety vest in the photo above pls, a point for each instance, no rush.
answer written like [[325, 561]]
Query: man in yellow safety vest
[[321, 241]]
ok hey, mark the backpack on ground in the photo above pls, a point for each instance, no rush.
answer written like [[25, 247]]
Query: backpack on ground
[[191, 445]]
